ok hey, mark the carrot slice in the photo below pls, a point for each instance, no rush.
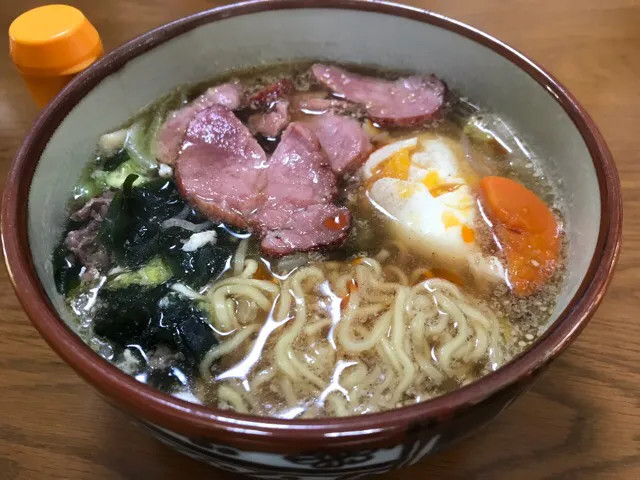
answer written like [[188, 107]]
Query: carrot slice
[[526, 230]]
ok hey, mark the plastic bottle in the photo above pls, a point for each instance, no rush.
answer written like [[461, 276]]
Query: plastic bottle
[[49, 45]]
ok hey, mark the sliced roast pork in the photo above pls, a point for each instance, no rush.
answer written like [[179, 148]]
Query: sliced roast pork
[[299, 213], [309, 228], [221, 167], [272, 106], [299, 172], [172, 132], [272, 122], [287, 199], [315, 103], [343, 139], [270, 93], [402, 102]]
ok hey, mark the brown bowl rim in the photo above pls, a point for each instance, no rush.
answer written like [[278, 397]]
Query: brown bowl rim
[[269, 434]]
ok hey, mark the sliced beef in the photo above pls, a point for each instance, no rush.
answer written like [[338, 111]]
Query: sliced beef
[[82, 242], [221, 168], [171, 133], [272, 122], [95, 209], [84, 245], [269, 94], [403, 102], [343, 139], [287, 200]]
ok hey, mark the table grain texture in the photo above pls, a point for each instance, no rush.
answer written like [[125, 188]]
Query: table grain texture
[[580, 421]]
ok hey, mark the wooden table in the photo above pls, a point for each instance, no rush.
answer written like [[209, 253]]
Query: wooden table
[[580, 421]]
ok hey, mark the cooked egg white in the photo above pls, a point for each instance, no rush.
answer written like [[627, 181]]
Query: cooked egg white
[[423, 185]]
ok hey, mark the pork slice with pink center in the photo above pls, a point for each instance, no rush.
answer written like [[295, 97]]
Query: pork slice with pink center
[[343, 140], [403, 102], [272, 122], [221, 168], [299, 212], [172, 131]]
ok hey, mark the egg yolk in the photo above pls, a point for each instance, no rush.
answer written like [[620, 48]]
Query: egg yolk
[[444, 188], [450, 220], [436, 186], [431, 180], [468, 235], [396, 166]]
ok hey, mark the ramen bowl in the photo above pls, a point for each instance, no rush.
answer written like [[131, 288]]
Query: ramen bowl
[[394, 37]]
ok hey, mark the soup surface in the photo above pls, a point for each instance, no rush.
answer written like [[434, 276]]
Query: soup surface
[[311, 240]]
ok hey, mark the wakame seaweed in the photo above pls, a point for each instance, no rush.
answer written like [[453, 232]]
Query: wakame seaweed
[[139, 314], [200, 266], [132, 231], [182, 326], [166, 379], [114, 161], [66, 269], [153, 316], [123, 314]]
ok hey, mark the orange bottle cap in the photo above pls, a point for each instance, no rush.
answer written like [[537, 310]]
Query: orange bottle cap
[[53, 40]]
